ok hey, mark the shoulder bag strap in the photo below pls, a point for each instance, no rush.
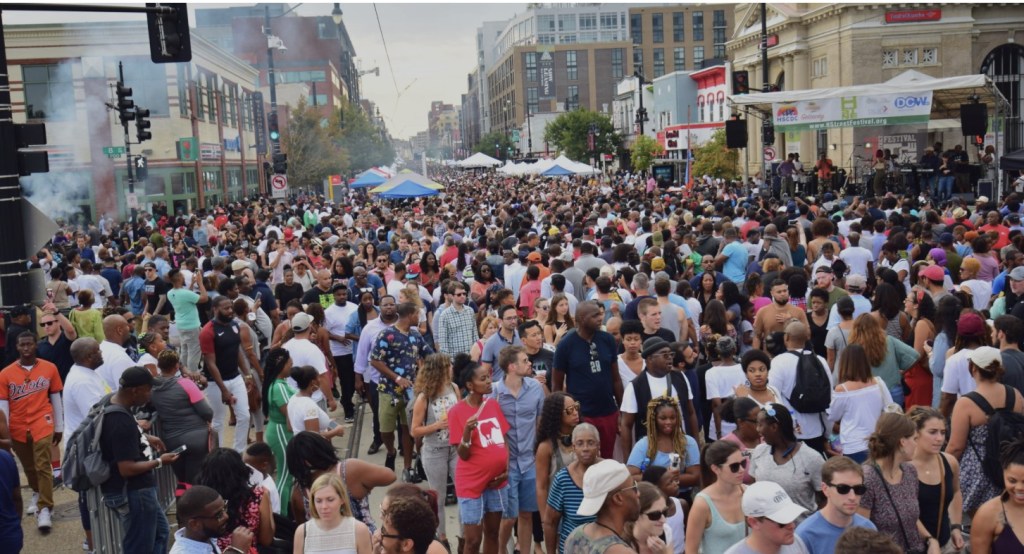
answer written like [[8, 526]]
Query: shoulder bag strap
[[942, 493], [895, 508]]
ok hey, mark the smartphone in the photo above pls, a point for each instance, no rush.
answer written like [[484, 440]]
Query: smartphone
[[332, 425], [930, 343], [179, 449], [259, 295], [49, 294], [674, 461]]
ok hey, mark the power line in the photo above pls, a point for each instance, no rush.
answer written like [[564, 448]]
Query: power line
[[386, 53]]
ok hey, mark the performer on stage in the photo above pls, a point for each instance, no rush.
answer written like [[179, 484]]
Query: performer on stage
[[824, 171], [930, 181], [880, 166]]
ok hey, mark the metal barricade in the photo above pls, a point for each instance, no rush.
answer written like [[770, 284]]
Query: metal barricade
[[352, 446], [107, 531]]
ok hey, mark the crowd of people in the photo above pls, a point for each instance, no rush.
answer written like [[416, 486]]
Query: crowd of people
[[580, 365]]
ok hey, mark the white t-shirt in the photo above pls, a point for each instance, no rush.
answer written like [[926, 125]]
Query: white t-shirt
[[956, 377], [82, 389], [857, 259], [782, 376], [302, 409], [720, 382], [303, 352], [981, 291], [657, 386], [257, 478], [115, 361], [627, 374], [858, 410], [335, 319], [900, 265]]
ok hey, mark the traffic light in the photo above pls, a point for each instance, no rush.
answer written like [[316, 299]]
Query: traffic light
[[767, 133], [740, 82], [141, 124], [141, 169], [125, 104], [169, 39], [275, 133], [281, 163]]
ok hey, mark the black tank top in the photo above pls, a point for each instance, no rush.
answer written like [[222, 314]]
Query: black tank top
[[928, 498]]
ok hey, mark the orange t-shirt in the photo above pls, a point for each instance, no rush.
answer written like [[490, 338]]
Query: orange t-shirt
[[28, 393]]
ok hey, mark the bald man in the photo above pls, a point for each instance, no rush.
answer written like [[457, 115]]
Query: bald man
[[115, 357], [810, 428]]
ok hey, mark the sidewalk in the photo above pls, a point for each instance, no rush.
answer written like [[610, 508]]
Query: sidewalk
[[66, 536]]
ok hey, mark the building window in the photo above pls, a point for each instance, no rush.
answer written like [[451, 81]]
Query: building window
[[819, 67], [567, 22], [930, 56], [679, 59], [589, 36], [211, 97], [184, 109], [318, 100], [698, 26], [609, 21], [532, 99], [531, 67], [721, 111], [326, 30], [546, 24], [719, 19], [657, 28], [700, 112], [910, 56], [49, 92], [636, 28], [572, 102], [545, 39], [570, 65], [659, 62], [148, 82], [890, 58], [588, 21], [698, 57], [711, 110], [678, 27], [617, 67], [568, 39], [718, 38], [283, 77]]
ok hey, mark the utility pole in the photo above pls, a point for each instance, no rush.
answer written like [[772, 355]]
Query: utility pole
[[125, 105], [279, 159]]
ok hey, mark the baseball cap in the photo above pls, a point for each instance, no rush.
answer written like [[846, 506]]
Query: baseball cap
[[301, 322], [653, 345], [770, 500], [658, 264], [413, 271], [982, 200], [985, 355], [970, 325], [946, 238], [533, 257], [135, 377], [601, 479], [856, 282], [823, 269], [239, 265], [1018, 273], [932, 273]]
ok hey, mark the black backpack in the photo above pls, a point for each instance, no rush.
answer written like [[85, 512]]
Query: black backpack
[[84, 465], [1003, 425], [812, 391]]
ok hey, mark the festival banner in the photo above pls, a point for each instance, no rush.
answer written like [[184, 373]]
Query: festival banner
[[853, 111]]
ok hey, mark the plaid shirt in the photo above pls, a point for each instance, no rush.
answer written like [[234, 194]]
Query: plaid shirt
[[456, 330]]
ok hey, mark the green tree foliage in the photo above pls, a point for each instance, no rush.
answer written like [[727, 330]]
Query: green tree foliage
[[312, 155], [568, 134], [715, 159], [645, 149], [352, 130], [487, 142]]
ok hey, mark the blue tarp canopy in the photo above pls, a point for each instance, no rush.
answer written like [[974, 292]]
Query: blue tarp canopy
[[409, 189], [557, 171], [367, 179]]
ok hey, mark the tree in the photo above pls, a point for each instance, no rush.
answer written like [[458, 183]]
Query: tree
[[365, 143], [715, 159], [312, 155], [568, 134], [487, 144], [645, 149]]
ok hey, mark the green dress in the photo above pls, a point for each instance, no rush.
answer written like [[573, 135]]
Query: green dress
[[277, 435]]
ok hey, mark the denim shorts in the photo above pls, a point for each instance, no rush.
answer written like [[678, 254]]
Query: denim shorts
[[472, 510], [522, 491]]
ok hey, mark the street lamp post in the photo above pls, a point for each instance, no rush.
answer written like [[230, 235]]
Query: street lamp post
[[275, 142], [641, 112], [336, 15], [529, 127]]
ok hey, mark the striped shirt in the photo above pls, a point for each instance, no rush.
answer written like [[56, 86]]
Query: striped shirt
[[565, 497]]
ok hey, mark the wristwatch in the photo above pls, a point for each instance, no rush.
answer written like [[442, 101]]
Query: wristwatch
[[159, 463]]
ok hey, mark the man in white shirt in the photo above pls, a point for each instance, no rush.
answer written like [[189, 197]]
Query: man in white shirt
[[981, 291], [115, 358], [956, 376], [97, 284], [515, 270], [336, 318], [782, 376], [857, 258], [304, 352]]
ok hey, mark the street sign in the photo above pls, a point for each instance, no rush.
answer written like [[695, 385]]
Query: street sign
[[188, 149], [113, 151], [131, 200], [515, 135], [279, 185], [769, 154]]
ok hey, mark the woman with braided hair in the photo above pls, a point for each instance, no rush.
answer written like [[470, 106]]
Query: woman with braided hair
[[665, 444]]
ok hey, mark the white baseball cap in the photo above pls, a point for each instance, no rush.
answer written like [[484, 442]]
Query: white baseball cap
[[985, 355], [768, 499], [601, 479]]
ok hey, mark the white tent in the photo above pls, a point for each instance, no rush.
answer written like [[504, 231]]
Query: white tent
[[478, 160]]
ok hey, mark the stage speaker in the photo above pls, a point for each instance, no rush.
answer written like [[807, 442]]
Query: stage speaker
[[973, 119], [736, 133]]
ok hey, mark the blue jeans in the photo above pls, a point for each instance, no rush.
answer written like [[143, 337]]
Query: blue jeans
[[472, 510], [946, 187], [142, 520], [897, 394]]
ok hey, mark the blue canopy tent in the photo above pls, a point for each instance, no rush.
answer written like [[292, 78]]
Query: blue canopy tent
[[409, 189], [557, 171], [367, 179]]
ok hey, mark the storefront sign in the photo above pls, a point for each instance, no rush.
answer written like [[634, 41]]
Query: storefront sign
[[913, 16], [853, 111], [210, 151], [547, 76]]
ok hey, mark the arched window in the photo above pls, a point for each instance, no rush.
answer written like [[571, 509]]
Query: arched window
[[700, 109], [711, 110]]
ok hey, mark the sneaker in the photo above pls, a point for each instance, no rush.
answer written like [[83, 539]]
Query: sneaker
[[43, 520], [408, 475], [389, 461], [85, 546], [349, 420], [33, 505], [374, 448]]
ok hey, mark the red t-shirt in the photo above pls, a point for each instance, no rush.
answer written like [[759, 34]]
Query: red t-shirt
[[488, 454]]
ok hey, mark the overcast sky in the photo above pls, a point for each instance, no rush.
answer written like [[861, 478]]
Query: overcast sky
[[432, 48]]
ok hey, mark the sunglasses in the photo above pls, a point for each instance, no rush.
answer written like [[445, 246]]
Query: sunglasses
[[48, 323], [655, 516], [736, 467], [859, 490], [573, 409]]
